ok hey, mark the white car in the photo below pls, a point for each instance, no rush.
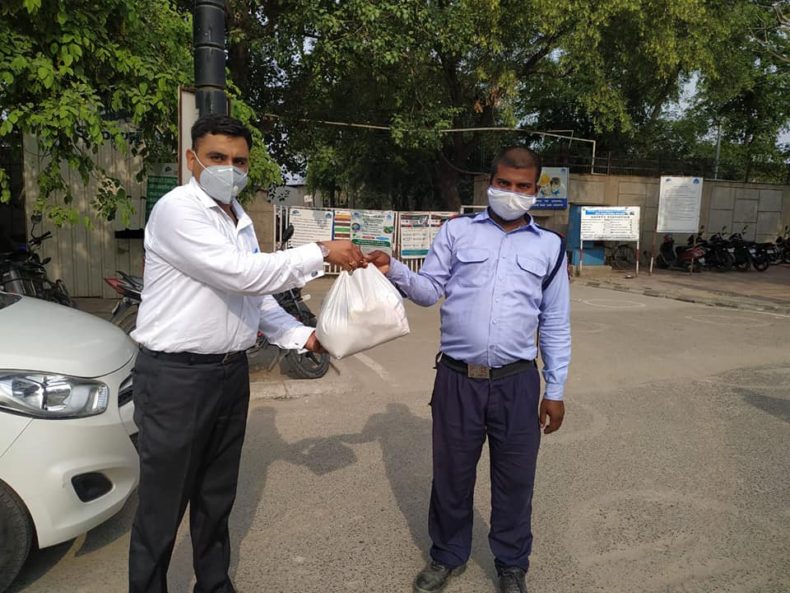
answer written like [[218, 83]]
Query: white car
[[67, 459]]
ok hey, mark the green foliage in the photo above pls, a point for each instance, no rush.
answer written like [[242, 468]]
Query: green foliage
[[263, 172], [79, 74], [608, 70]]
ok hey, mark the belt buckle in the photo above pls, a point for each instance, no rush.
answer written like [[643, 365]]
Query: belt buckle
[[477, 371]]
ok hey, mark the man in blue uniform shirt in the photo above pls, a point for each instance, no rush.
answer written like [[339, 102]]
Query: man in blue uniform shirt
[[499, 273]]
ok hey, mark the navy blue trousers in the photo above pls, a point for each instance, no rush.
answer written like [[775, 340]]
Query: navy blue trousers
[[466, 411]]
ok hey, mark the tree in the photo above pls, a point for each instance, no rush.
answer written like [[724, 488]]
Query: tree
[[79, 74], [417, 67]]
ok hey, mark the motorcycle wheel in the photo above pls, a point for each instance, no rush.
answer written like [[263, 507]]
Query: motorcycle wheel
[[724, 261], [760, 263], [127, 320], [308, 365], [61, 295], [743, 265]]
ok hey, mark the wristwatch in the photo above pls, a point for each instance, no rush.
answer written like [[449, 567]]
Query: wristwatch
[[324, 249]]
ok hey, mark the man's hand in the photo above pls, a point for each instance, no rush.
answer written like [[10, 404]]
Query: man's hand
[[553, 410], [379, 259], [345, 254], [313, 345]]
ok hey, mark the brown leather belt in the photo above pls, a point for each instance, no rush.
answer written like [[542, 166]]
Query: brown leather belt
[[476, 371]]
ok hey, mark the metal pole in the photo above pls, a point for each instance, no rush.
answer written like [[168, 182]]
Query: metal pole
[[209, 42], [718, 151]]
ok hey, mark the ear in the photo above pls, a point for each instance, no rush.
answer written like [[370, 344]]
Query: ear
[[192, 163]]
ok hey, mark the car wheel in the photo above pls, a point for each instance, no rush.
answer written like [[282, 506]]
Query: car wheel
[[16, 536]]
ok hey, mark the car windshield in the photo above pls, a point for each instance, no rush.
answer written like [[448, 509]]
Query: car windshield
[[6, 299]]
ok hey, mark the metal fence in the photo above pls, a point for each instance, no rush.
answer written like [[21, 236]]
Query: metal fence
[[281, 221], [708, 168]]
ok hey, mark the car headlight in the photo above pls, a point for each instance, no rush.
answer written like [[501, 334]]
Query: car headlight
[[52, 396]]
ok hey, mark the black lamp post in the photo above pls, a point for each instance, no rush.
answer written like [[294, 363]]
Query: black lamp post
[[209, 43]]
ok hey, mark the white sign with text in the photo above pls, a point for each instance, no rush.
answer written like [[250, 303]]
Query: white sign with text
[[620, 223], [679, 202]]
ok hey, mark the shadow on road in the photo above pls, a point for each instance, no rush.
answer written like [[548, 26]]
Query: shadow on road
[[405, 441]]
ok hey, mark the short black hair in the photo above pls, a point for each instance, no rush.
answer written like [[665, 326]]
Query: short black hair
[[518, 157], [214, 123]]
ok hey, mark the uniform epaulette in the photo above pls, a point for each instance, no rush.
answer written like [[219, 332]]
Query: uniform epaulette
[[464, 215], [543, 228]]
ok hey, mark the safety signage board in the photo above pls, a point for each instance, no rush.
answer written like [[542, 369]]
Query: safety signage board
[[620, 223]]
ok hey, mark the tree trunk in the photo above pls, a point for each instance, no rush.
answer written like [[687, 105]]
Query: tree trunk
[[447, 184]]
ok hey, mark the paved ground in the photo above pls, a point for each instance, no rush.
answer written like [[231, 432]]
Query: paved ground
[[755, 291], [670, 474]]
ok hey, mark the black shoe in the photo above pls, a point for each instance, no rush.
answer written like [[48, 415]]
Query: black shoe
[[512, 580], [433, 578]]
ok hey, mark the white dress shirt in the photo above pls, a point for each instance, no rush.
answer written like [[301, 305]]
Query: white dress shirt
[[205, 279]]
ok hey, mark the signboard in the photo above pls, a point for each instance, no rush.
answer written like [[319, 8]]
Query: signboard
[[553, 192], [679, 202], [342, 228], [610, 223], [418, 230], [159, 185], [373, 229], [310, 225], [415, 234]]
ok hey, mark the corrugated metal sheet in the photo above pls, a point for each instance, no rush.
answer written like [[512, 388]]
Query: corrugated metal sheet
[[82, 255]]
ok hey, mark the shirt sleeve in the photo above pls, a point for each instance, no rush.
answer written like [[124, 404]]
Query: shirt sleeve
[[280, 327], [183, 235], [555, 332], [425, 287]]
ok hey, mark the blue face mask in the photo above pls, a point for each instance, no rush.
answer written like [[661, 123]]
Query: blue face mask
[[222, 182]]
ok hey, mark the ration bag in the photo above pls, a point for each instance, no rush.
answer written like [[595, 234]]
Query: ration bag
[[362, 310]]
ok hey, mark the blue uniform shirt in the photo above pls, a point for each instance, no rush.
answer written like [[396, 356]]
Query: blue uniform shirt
[[494, 299]]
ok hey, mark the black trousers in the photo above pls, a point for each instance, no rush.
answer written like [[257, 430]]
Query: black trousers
[[192, 418], [466, 411]]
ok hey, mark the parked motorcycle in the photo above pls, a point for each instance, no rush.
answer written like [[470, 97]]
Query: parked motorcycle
[[716, 255], [22, 271], [747, 253], [782, 244], [689, 258], [300, 365]]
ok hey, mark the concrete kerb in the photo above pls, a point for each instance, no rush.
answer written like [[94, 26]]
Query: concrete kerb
[[712, 300]]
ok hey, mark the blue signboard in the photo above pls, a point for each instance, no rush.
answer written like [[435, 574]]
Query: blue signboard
[[553, 192]]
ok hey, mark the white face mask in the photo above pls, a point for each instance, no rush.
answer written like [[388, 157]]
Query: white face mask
[[222, 182], [509, 205]]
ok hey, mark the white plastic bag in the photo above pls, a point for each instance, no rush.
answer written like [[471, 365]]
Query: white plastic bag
[[362, 310]]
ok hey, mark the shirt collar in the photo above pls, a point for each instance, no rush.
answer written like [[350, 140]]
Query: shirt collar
[[484, 216], [209, 202]]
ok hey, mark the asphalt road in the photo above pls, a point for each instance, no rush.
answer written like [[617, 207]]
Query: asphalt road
[[671, 473]]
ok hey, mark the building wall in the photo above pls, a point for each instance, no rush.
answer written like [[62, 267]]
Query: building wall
[[83, 254], [763, 209]]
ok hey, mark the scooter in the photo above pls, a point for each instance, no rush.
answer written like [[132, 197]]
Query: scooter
[[23, 272], [299, 365], [681, 258]]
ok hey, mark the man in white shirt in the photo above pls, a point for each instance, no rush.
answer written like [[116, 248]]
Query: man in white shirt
[[202, 306]]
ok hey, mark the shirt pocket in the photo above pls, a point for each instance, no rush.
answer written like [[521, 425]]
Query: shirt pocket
[[535, 270], [473, 267]]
